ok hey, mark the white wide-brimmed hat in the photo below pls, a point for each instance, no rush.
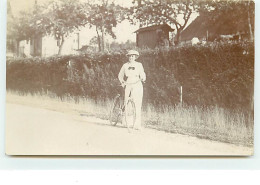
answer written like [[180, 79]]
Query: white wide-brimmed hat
[[132, 52]]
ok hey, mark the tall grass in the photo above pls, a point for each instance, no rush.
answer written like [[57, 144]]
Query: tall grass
[[213, 123]]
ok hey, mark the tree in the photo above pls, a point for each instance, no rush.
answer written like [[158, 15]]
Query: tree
[[94, 42], [20, 28], [115, 46], [61, 18], [58, 18], [25, 25], [10, 45], [172, 12], [104, 16]]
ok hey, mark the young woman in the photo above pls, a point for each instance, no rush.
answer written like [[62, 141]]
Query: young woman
[[135, 74]]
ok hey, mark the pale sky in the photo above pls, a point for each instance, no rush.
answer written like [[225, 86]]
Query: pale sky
[[123, 31]]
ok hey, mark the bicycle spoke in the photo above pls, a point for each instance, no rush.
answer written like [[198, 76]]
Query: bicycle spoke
[[116, 111], [130, 114]]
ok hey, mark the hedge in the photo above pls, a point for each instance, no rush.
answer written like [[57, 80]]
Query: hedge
[[216, 74]]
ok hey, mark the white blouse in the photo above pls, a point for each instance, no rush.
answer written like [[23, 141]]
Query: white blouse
[[133, 71]]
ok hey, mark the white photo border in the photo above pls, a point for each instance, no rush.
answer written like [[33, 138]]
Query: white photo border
[[84, 163]]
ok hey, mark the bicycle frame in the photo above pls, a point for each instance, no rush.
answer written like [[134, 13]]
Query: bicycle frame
[[127, 83], [123, 107]]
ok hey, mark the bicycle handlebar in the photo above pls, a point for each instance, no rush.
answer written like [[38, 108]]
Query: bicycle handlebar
[[127, 83]]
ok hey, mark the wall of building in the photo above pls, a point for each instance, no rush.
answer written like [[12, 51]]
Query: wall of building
[[147, 39], [50, 46], [24, 48]]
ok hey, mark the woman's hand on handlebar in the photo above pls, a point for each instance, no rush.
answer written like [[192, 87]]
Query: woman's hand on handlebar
[[123, 83]]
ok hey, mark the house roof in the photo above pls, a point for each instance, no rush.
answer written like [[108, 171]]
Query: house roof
[[195, 29], [200, 26], [155, 27]]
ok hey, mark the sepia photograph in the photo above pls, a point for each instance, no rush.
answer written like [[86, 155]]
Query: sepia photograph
[[130, 77]]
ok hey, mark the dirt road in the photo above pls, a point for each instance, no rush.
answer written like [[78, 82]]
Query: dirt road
[[37, 131]]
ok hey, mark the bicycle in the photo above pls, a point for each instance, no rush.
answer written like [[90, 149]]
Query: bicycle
[[119, 110]]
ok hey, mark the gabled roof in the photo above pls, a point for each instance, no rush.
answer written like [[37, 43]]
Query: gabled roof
[[197, 28], [200, 26], [155, 27]]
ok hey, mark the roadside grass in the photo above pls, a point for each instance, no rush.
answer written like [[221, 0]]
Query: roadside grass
[[82, 105], [213, 123]]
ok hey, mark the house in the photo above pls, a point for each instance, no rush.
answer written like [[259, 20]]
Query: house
[[202, 29], [44, 45], [196, 29], [153, 36]]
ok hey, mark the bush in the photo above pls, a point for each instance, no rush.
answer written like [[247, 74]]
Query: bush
[[220, 74]]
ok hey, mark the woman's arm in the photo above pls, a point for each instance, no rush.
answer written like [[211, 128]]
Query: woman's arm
[[142, 73], [121, 74]]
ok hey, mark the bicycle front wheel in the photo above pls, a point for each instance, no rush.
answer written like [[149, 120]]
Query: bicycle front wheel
[[116, 111], [130, 114]]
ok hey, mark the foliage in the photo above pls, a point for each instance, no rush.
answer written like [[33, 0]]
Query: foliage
[[61, 18], [173, 12], [221, 74], [115, 46], [19, 29], [238, 14], [104, 17], [24, 26], [57, 18]]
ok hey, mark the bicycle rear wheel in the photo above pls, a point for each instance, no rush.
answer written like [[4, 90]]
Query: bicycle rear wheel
[[116, 111], [130, 114]]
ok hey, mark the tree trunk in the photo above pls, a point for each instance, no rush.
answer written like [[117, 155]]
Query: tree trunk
[[103, 38], [61, 45], [17, 48], [249, 24], [99, 42], [176, 42], [139, 3], [102, 32]]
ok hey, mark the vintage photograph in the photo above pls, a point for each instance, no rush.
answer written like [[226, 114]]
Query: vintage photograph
[[130, 77]]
